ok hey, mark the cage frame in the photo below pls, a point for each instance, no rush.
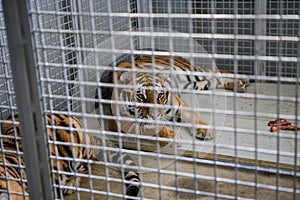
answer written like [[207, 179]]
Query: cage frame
[[24, 90], [26, 86]]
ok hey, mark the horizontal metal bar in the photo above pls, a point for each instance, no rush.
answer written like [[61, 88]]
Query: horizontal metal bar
[[171, 15]]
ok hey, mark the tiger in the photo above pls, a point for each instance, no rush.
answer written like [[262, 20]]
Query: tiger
[[13, 184], [152, 80]]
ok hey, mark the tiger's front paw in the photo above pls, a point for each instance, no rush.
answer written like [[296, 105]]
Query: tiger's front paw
[[204, 134], [241, 85], [165, 132], [4, 196]]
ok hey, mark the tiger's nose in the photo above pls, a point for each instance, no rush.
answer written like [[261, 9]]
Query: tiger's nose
[[153, 113]]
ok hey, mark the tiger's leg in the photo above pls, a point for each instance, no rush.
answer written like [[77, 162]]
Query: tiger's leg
[[229, 83], [160, 131], [165, 132], [187, 115], [73, 182], [15, 190]]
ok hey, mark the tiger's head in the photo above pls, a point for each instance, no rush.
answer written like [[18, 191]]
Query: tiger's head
[[145, 96]]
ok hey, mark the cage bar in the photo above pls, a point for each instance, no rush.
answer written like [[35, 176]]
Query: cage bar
[[29, 106]]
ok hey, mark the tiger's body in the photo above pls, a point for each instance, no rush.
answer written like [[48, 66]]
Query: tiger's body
[[152, 81], [72, 144]]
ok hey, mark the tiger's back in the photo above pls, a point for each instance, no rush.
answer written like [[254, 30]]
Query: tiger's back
[[58, 132], [73, 144], [186, 75], [70, 156]]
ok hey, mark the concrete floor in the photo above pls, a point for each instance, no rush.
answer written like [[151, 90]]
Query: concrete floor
[[221, 187], [247, 131]]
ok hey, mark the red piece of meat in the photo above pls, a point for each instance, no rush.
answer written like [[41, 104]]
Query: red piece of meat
[[283, 125]]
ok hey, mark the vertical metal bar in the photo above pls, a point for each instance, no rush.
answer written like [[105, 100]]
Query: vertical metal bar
[[235, 109], [297, 124], [278, 102], [143, 6], [259, 69], [28, 99], [260, 27], [191, 51], [213, 5]]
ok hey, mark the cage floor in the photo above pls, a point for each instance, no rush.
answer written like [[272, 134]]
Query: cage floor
[[251, 143], [226, 187], [241, 128], [245, 124]]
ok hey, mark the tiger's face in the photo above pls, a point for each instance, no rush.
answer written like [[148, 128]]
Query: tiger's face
[[145, 96]]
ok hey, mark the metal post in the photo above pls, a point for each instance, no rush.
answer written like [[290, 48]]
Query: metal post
[[260, 8], [143, 7], [29, 101], [144, 23]]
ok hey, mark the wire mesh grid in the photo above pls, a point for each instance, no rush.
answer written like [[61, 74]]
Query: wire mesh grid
[[79, 46], [8, 104]]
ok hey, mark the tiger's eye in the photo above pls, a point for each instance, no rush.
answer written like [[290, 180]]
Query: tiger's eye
[[160, 95], [140, 96]]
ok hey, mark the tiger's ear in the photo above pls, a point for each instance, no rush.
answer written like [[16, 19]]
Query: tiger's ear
[[119, 74], [125, 77], [163, 76]]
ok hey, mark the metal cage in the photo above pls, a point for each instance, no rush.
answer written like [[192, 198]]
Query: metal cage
[[54, 53]]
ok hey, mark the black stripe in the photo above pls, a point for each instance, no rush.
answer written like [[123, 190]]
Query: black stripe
[[133, 176], [168, 111], [132, 191], [194, 85], [198, 78], [186, 85], [167, 97], [126, 157], [60, 116], [67, 149], [208, 84], [11, 131], [115, 158], [13, 172], [176, 113], [188, 78], [11, 158]]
